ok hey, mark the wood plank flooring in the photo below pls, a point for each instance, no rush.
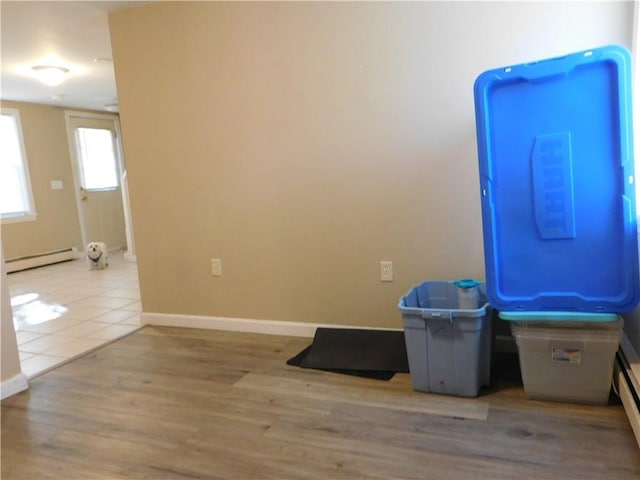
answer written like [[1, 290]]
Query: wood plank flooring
[[169, 403]]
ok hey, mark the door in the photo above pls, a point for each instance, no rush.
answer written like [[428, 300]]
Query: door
[[96, 152]]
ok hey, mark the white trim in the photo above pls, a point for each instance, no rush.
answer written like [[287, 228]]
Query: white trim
[[626, 397], [16, 384], [268, 327], [27, 217], [130, 258], [632, 357], [45, 258], [130, 254], [626, 389]]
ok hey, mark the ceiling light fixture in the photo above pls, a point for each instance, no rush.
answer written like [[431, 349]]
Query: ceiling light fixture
[[50, 75]]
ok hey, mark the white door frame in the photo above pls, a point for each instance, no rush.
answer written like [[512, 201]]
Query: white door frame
[[68, 116]]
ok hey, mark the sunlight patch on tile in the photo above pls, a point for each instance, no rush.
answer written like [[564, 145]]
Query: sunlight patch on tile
[[36, 312]]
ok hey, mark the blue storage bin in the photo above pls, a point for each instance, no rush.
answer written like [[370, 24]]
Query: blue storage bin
[[557, 183], [448, 348]]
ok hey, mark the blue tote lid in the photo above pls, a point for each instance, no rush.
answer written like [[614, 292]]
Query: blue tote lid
[[557, 183]]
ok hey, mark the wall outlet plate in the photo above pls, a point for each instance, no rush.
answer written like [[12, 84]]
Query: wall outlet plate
[[216, 267], [386, 271]]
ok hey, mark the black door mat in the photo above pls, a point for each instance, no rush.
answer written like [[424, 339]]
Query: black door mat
[[378, 354], [375, 374]]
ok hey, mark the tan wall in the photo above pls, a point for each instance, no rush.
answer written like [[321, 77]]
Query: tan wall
[[302, 143], [10, 361], [48, 156]]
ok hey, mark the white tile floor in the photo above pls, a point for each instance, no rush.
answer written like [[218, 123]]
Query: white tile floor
[[62, 311]]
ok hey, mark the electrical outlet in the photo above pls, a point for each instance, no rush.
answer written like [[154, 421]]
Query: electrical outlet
[[386, 271], [216, 267]]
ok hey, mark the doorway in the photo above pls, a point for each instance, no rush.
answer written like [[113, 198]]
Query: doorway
[[98, 166]]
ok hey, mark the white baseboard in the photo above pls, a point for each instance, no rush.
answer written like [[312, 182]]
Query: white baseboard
[[40, 259], [268, 327], [15, 384], [627, 383], [624, 391]]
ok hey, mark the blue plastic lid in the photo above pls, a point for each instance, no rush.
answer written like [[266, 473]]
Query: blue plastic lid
[[557, 183]]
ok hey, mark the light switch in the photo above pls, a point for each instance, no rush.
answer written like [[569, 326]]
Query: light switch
[[57, 185]]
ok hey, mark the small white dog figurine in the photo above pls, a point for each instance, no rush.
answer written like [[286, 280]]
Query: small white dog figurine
[[97, 256]]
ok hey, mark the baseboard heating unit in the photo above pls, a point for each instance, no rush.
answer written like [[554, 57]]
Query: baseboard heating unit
[[627, 383], [41, 259]]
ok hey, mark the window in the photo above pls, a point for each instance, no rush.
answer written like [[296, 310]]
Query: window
[[97, 159], [16, 199]]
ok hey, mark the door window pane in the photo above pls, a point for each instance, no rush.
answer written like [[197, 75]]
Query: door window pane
[[97, 159]]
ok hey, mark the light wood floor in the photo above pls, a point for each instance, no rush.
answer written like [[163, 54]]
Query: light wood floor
[[181, 403]]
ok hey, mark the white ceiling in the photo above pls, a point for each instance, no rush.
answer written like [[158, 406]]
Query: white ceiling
[[72, 34]]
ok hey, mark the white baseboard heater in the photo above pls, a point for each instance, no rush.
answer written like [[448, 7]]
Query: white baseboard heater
[[41, 259], [627, 383]]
